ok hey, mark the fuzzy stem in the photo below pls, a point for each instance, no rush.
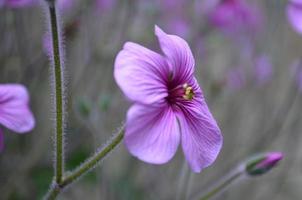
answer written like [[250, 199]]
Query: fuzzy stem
[[221, 185], [88, 165], [59, 161]]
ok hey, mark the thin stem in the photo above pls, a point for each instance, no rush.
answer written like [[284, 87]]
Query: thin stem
[[221, 186], [88, 165], [59, 165], [94, 160]]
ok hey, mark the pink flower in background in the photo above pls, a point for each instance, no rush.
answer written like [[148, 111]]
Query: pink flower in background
[[294, 14], [62, 4], [236, 16], [14, 110], [263, 69], [65, 5], [47, 44], [179, 26], [19, 3], [105, 5], [169, 106], [236, 78]]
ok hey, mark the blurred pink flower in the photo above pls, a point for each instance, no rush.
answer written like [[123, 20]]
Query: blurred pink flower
[[178, 26], [14, 110], [47, 44], [177, 21], [236, 16], [63, 5], [294, 14], [169, 105], [19, 3], [236, 78], [105, 5], [263, 69]]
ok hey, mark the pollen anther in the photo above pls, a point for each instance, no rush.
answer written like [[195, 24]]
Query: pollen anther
[[188, 92]]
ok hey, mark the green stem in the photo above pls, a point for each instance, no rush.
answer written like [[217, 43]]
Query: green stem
[[221, 186], [89, 164], [59, 165]]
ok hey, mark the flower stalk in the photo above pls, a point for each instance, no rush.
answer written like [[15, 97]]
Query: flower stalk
[[56, 59], [255, 166], [222, 185], [84, 168]]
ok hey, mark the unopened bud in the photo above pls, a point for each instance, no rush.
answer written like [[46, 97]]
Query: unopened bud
[[261, 164]]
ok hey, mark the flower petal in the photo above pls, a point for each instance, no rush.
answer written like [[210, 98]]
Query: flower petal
[[152, 133], [14, 111], [294, 15], [201, 137], [1, 141], [178, 54], [141, 74]]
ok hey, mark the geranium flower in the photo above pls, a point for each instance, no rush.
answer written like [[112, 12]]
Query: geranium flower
[[14, 110], [169, 106], [263, 69], [294, 14], [236, 17], [236, 78], [19, 3]]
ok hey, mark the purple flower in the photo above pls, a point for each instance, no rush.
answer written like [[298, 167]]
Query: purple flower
[[19, 3], [236, 78], [236, 16], [263, 163], [263, 69], [294, 14], [105, 5], [169, 106], [14, 110], [65, 5]]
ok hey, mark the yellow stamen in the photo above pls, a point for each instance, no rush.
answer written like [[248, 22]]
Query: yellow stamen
[[189, 93]]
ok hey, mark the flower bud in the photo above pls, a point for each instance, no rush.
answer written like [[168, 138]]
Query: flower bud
[[263, 163]]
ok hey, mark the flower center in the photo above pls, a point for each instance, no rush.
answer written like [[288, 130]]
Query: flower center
[[188, 92], [181, 92]]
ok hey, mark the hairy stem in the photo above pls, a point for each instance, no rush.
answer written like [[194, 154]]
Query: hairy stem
[[88, 165], [59, 161]]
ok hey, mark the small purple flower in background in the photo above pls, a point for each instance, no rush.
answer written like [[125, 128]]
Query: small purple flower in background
[[294, 14], [19, 3], [263, 163], [263, 69], [236, 78], [169, 106], [105, 5], [177, 21], [236, 16], [179, 26], [47, 44], [65, 5], [14, 110]]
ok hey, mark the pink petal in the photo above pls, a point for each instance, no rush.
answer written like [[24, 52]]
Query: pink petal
[[294, 15], [152, 133], [201, 137], [178, 54], [14, 111], [141, 74], [1, 141]]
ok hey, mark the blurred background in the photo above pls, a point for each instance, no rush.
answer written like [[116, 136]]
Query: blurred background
[[247, 61]]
